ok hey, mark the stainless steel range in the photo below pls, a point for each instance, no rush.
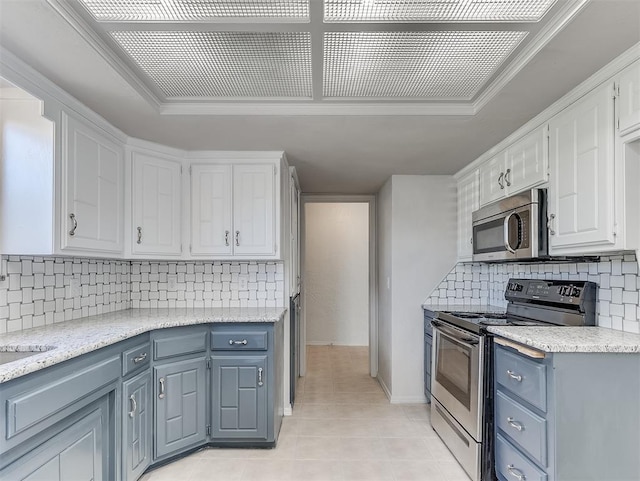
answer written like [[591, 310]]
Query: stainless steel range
[[462, 401]]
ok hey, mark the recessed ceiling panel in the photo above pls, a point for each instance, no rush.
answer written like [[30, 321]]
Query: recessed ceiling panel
[[196, 10], [391, 11], [441, 65], [223, 65]]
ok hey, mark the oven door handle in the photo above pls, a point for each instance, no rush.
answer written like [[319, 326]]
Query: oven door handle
[[454, 334]]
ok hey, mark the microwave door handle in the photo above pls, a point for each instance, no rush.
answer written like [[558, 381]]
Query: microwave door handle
[[507, 245]]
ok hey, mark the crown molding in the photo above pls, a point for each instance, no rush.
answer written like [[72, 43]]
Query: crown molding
[[317, 108], [55, 99], [105, 51], [605, 74], [542, 38]]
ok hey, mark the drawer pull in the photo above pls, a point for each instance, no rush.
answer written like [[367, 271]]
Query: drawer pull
[[515, 424], [260, 382], [134, 406], [140, 358], [513, 375], [161, 390], [237, 343], [516, 473]]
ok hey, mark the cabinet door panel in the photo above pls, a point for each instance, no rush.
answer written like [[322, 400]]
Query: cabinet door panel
[[180, 413], [254, 209], [491, 179], [92, 170], [136, 449], [75, 454], [239, 401], [582, 168], [156, 209], [629, 99], [467, 203], [527, 162], [211, 223]]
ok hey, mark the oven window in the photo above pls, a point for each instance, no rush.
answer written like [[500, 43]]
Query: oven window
[[489, 237], [453, 369]]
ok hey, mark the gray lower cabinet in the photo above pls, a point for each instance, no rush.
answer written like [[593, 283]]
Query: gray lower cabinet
[[567, 416], [77, 452], [239, 397], [136, 426], [180, 401]]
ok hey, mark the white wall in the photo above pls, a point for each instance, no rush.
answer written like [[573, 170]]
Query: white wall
[[423, 222], [336, 273]]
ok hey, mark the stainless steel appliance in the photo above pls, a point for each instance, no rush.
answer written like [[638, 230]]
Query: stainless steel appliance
[[461, 385], [513, 228]]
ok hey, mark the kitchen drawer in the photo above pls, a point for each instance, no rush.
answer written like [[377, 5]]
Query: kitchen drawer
[[239, 340], [522, 376], [512, 465], [178, 344], [136, 358], [524, 428]]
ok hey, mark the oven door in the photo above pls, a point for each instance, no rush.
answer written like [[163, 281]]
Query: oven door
[[457, 383]]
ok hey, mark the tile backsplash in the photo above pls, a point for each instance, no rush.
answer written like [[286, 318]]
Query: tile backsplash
[[44, 290], [618, 304]]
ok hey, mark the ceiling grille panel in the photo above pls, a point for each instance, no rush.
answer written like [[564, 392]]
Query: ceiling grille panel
[[435, 10], [195, 10], [451, 65], [223, 64]]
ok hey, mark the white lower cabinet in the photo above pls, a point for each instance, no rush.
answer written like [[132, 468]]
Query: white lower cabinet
[[581, 183], [156, 209], [234, 209]]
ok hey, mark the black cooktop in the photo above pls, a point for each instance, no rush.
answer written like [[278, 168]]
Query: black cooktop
[[475, 321]]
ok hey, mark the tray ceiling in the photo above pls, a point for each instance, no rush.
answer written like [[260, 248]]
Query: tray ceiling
[[356, 52]]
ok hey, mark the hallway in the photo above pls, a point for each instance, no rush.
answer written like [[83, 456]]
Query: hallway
[[343, 429]]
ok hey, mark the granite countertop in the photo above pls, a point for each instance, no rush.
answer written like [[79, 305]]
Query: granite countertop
[[65, 340], [571, 339]]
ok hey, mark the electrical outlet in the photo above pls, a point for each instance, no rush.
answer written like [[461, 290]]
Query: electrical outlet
[[172, 282], [243, 281], [74, 287]]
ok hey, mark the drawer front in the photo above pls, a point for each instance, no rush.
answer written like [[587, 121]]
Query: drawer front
[[524, 428], [522, 376], [239, 340], [514, 466], [136, 358], [29, 408], [179, 345]]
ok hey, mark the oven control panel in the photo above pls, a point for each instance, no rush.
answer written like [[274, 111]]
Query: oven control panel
[[549, 291]]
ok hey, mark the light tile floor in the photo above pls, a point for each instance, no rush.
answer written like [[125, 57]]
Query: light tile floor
[[343, 428]]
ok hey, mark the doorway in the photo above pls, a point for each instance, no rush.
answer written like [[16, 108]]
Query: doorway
[[339, 274]]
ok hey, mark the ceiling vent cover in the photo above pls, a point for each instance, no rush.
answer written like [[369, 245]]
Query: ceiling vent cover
[[223, 65], [392, 11], [451, 65]]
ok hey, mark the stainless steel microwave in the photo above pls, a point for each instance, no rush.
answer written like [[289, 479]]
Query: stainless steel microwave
[[514, 228]]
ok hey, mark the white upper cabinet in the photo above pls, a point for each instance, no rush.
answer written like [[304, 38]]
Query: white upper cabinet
[[628, 89], [581, 183], [527, 162], [92, 194], [467, 203], [491, 175], [233, 210], [211, 209], [523, 165], [156, 198]]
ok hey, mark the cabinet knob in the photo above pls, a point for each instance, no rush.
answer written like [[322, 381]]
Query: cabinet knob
[[139, 241], [516, 473], [506, 177], [550, 224], [161, 389], [260, 382], [501, 180], [515, 424], [237, 238], [226, 238], [134, 406], [514, 376]]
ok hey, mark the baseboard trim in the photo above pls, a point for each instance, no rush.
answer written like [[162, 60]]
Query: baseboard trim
[[323, 343], [384, 388]]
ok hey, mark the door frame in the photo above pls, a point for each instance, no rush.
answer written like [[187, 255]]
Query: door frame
[[370, 200]]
